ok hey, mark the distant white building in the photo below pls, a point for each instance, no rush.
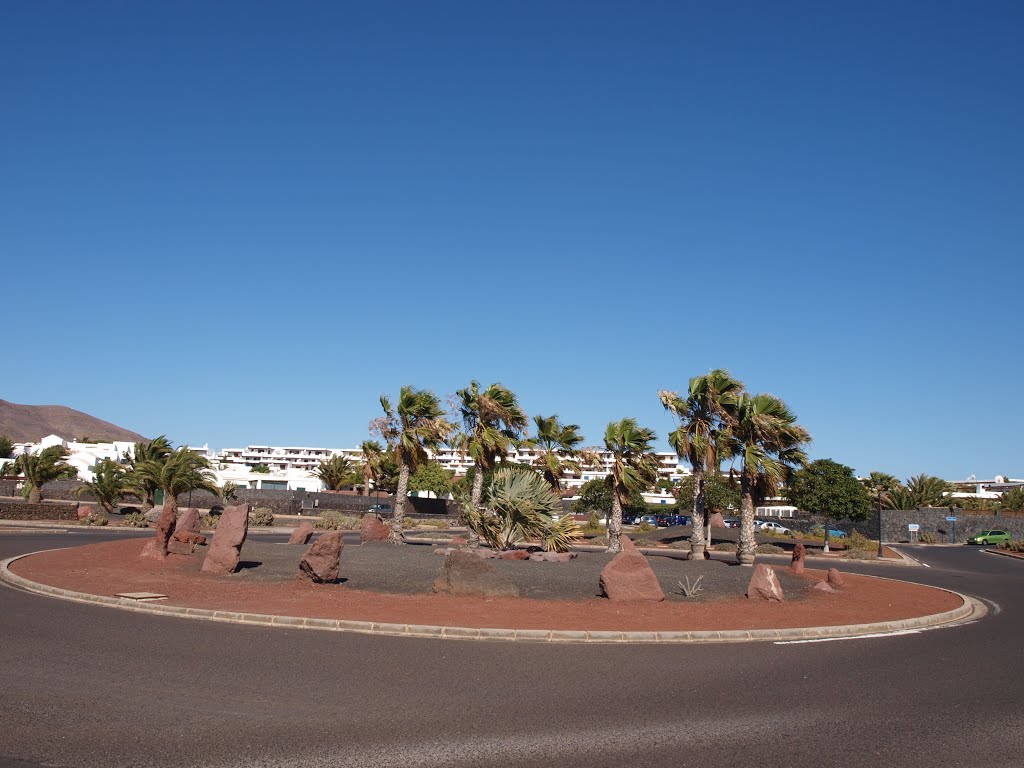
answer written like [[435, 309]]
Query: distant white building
[[81, 456]]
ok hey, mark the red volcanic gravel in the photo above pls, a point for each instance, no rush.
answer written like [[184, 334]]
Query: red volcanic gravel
[[111, 567]]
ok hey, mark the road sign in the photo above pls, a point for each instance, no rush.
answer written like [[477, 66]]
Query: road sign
[[914, 527], [950, 519]]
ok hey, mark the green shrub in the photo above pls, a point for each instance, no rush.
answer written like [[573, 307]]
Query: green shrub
[[440, 524], [94, 519], [1012, 546], [333, 520], [408, 522], [262, 516], [858, 541], [725, 546], [861, 554], [643, 542], [770, 549], [135, 520], [927, 538], [645, 528], [210, 521]]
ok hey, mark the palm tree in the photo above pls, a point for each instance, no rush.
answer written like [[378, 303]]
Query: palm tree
[[881, 486], [493, 423], [228, 491], [415, 425], [337, 472], [372, 453], [702, 437], [927, 490], [634, 468], [108, 485], [40, 468], [156, 450], [765, 434], [183, 470], [558, 446]]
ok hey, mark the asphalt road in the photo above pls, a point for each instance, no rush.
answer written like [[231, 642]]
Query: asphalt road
[[85, 686]]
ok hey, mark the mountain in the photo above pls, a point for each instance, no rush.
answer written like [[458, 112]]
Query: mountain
[[31, 423]]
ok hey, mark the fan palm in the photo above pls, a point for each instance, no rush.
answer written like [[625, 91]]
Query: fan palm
[[927, 490], [881, 486], [337, 472], [558, 446], [493, 423], [702, 437], [766, 436], [183, 470], [413, 426], [370, 467], [519, 505], [634, 468], [40, 468], [156, 450], [108, 485]]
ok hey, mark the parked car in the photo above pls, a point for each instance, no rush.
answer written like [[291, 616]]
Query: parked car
[[731, 522], [771, 526], [649, 519], [990, 537], [835, 533], [665, 520], [381, 509]]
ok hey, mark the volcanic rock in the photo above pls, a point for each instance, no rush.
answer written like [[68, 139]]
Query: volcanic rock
[[322, 560], [189, 521], [228, 540], [514, 554], [627, 544], [302, 534], [554, 557], [835, 578], [823, 586], [629, 577], [372, 529], [178, 547], [466, 574], [188, 537], [156, 547], [799, 559], [717, 520], [764, 584], [85, 510]]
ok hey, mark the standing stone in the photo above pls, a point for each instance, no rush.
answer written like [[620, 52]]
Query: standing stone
[[823, 586], [372, 529], [228, 540], [187, 537], [322, 560], [717, 520], [464, 573], [189, 521], [799, 559], [84, 510], [627, 544], [835, 578], [764, 584], [156, 547], [302, 534], [629, 577]]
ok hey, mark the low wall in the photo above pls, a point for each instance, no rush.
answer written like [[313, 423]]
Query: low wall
[[933, 521], [19, 509]]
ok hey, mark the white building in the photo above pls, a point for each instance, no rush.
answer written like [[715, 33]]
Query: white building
[[81, 456]]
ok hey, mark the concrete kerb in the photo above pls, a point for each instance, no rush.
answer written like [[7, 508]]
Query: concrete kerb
[[971, 609]]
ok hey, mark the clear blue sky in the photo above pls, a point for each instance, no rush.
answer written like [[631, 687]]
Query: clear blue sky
[[241, 222]]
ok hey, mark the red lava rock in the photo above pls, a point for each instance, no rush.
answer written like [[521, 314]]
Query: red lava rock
[[764, 584], [228, 540], [85, 510], [459, 541], [484, 553], [835, 578], [187, 537], [823, 586], [156, 548], [514, 554], [321, 562], [189, 521], [372, 529], [799, 559], [466, 574], [629, 577], [554, 557], [627, 544], [178, 547], [302, 534], [717, 520]]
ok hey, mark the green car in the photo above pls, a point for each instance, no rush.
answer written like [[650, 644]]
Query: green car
[[990, 537]]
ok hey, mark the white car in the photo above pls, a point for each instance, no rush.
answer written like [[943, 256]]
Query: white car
[[773, 527]]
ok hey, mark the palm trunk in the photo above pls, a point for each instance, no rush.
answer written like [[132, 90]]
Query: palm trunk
[[697, 543], [473, 538], [35, 494], [615, 525], [148, 501], [397, 535], [745, 552]]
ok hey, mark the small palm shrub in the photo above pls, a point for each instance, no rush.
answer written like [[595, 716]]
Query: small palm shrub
[[262, 516], [927, 538], [94, 519], [210, 521], [645, 528], [1013, 546], [135, 520], [333, 520]]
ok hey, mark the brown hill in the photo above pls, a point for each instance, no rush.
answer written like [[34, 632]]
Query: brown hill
[[24, 423]]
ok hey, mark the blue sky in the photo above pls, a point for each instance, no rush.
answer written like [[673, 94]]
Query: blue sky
[[241, 222]]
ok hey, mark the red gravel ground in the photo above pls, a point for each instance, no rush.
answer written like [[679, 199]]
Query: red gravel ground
[[112, 567]]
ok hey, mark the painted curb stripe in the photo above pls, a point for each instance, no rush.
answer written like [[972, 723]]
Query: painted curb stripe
[[971, 609]]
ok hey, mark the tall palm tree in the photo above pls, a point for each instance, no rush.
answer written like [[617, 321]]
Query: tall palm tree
[[770, 442], [108, 485], [492, 423], [40, 468], [558, 445], [372, 453], [881, 486], [156, 450], [182, 471], [634, 468], [702, 437], [413, 426], [337, 472]]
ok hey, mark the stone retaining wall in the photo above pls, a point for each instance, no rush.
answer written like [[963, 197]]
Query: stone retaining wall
[[18, 509]]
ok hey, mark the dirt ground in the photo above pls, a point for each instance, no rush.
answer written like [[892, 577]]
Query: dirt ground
[[391, 584]]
